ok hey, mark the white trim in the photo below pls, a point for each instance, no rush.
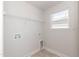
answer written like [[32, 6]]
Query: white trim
[[48, 49], [56, 52], [32, 53]]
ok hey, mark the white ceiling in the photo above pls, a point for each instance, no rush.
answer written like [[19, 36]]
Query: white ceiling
[[44, 5]]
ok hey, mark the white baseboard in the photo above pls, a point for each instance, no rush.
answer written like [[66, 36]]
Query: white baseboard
[[50, 50], [56, 52], [32, 53]]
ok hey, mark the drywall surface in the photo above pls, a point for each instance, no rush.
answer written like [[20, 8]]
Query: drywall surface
[[22, 9], [23, 19], [63, 41], [78, 31]]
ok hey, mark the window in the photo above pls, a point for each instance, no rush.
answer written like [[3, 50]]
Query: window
[[60, 19]]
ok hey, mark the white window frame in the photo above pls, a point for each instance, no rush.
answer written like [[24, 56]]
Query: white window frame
[[58, 17]]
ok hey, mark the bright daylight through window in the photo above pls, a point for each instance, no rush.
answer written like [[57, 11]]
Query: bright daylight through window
[[60, 19]]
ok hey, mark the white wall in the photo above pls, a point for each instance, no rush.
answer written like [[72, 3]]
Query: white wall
[[78, 31], [22, 9], [27, 20], [24, 19], [64, 41]]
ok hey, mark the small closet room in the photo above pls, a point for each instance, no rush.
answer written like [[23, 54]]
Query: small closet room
[[41, 29]]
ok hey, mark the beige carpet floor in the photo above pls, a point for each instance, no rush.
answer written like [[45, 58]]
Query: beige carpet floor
[[44, 53]]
